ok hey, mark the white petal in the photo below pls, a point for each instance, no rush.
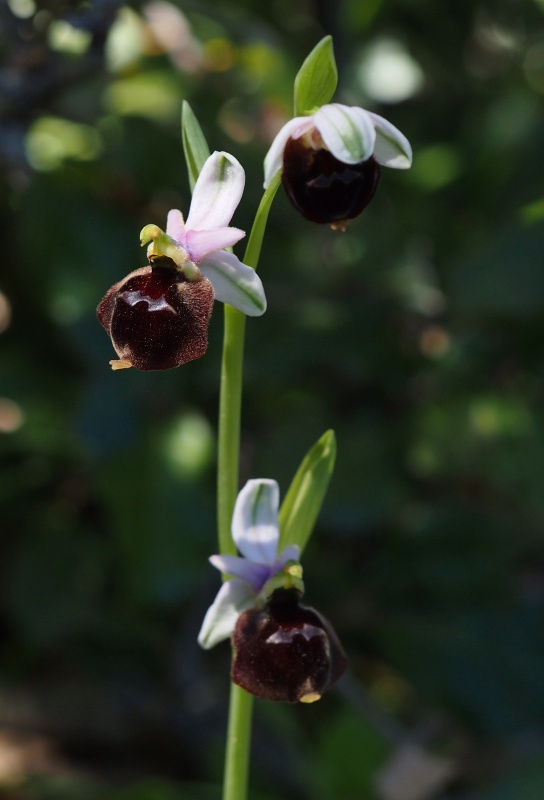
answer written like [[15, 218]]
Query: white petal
[[217, 193], [274, 158], [232, 598], [175, 226], [392, 148], [234, 283], [347, 131], [250, 572], [255, 527], [200, 243]]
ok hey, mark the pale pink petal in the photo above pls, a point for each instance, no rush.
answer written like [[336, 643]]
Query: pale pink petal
[[274, 158], [217, 193], [201, 243], [175, 226]]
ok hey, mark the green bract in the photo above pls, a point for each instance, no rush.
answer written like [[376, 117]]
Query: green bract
[[195, 145], [316, 80], [303, 501]]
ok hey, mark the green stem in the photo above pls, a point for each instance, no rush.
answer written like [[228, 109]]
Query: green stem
[[230, 405], [238, 744], [228, 467], [230, 398]]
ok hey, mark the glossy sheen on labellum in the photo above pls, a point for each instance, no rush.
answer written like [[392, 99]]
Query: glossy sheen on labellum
[[286, 651], [156, 318], [324, 189]]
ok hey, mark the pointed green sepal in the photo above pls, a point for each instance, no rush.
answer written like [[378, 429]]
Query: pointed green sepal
[[303, 501], [195, 145], [317, 78]]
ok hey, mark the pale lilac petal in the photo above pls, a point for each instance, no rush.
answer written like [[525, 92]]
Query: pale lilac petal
[[255, 527], [175, 226], [392, 148], [217, 193], [274, 158], [290, 553], [234, 283], [232, 598], [250, 572], [200, 243], [347, 131]]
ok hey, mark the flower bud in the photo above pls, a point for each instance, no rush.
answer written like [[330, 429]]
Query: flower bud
[[156, 318], [324, 189], [286, 651]]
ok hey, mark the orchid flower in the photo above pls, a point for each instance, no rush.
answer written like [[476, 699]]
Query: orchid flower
[[283, 650], [331, 159], [255, 531], [158, 316]]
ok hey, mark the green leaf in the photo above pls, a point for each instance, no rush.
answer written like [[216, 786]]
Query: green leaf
[[316, 81], [303, 501], [195, 145]]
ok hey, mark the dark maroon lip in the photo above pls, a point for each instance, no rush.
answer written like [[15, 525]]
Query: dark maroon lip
[[286, 651], [156, 318], [324, 189]]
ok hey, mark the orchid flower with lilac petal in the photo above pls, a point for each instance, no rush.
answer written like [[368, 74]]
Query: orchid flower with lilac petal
[[259, 570], [282, 650], [330, 160], [158, 316]]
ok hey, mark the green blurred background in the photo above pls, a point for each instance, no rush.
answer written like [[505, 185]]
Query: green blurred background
[[418, 335]]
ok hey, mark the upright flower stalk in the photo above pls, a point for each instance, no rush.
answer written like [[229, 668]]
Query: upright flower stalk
[[230, 395], [327, 159], [238, 743]]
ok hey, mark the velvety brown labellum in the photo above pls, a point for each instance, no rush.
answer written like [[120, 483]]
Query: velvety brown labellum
[[156, 318], [286, 651], [324, 189]]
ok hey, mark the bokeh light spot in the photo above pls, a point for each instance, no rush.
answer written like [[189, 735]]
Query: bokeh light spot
[[5, 312], [436, 166], [533, 66], [220, 55], [125, 40], [189, 445], [435, 341], [65, 38], [388, 73], [52, 140], [22, 8], [152, 94], [492, 417], [11, 416]]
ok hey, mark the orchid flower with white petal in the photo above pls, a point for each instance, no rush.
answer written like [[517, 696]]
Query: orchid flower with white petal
[[330, 160], [157, 317], [259, 570]]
